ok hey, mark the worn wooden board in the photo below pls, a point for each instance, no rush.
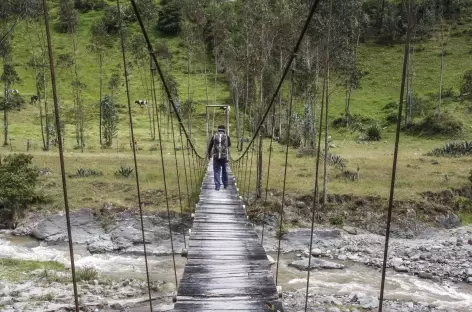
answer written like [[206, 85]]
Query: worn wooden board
[[227, 268]]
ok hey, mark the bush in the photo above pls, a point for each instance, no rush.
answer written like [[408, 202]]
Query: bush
[[88, 5], [169, 18], [470, 176], [124, 172], [337, 161], [84, 173], [373, 133], [466, 85], [306, 151], [453, 149], [18, 182], [86, 274], [446, 124]]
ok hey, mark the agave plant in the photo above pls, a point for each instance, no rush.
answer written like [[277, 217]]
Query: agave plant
[[124, 172], [454, 149]]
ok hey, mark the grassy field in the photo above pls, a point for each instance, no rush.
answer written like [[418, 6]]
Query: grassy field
[[416, 172]]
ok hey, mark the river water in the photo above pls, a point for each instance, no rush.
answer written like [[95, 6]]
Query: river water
[[354, 278]]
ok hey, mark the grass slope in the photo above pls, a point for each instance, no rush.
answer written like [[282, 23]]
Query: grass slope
[[416, 173]]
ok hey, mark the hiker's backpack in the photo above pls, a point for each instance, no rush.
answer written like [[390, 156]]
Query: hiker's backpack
[[220, 146]]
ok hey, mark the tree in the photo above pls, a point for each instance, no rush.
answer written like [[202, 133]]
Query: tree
[[442, 40], [10, 101], [18, 181], [110, 119], [114, 83], [169, 17], [100, 41], [466, 85], [68, 16]]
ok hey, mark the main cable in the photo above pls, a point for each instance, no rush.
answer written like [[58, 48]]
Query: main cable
[[61, 154], [284, 74], [130, 116]]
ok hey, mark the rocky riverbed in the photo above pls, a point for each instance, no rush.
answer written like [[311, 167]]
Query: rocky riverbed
[[430, 272]]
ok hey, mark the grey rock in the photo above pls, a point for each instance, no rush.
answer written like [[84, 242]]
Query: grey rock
[[469, 280], [300, 205], [425, 275], [351, 230], [368, 302], [469, 272], [449, 221], [401, 269], [117, 306], [316, 252], [315, 264]]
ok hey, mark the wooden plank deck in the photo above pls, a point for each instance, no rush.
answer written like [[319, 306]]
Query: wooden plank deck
[[227, 268]]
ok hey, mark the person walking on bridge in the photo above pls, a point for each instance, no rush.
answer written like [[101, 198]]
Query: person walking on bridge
[[219, 149]]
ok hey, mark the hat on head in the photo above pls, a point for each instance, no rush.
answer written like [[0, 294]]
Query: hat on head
[[221, 127]]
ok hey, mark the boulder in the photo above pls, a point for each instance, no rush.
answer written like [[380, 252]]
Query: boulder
[[316, 252], [315, 264], [300, 205], [351, 230], [449, 221]]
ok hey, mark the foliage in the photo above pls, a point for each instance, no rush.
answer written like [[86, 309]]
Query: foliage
[[306, 151], [336, 220], [88, 5], [470, 176], [13, 102], [109, 119], [454, 149], [446, 124], [373, 132], [86, 274], [337, 161], [68, 16], [124, 172], [356, 122], [466, 85], [83, 173], [114, 83], [169, 20], [18, 182]]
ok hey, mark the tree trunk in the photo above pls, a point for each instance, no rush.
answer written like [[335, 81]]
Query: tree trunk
[[46, 108], [325, 169], [351, 80], [280, 100], [259, 170], [438, 108], [207, 101], [100, 60], [5, 119]]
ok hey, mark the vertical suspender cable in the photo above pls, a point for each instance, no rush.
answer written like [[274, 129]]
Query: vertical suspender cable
[[315, 193], [250, 174], [285, 176], [395, 159], [245, 171], [178, 179], [123, 51], [185, 170], [61, 154], [268, 174]]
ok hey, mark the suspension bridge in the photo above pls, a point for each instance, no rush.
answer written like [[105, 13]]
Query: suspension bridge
[[227, 268]]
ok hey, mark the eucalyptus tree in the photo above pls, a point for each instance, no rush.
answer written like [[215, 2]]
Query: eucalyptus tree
[[100, 43]]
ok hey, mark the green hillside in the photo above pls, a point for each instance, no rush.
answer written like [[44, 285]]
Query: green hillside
[[381, 64]]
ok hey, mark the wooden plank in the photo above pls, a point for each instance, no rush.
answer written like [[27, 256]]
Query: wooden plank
[[227, 268]]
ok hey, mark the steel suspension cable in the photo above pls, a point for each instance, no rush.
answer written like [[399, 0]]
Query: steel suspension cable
[[161, 74], [178, 180], [268, 175], [130, 116], [315, 193], [245, 173], [61, 154], [185, 170], [285, 176], [395, 159], [284, 74], [190, 169], [167, 197]]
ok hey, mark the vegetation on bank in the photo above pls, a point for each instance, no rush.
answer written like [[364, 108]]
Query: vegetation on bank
[[210, 52]]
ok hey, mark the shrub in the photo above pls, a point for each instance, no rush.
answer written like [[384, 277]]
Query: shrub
[[470, 176], [169, 18], [88, 5], [453, 149], [373, 133], [446, 124], [306, 151], [337, 220], [83, 173], [18, 182], [466, 85], [124, 172], [86, 274], [337, 161], [356, 122]]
